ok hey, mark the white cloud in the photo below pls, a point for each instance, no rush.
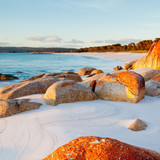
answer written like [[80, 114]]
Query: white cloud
[[74, 41], [4, 44], [48, 38]]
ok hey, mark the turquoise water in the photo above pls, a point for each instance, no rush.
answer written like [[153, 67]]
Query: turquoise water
[[34, 64]]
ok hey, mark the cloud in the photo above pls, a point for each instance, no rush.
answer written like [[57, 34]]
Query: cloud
[[121, 41], [74, 41], [4, 44], [48, 38]]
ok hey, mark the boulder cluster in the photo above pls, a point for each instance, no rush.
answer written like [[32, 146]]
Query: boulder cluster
[[67, 87]]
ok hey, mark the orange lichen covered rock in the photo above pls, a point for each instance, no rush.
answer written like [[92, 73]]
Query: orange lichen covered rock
[[132, 80], [125, 86], [97, 148], [150, 60]]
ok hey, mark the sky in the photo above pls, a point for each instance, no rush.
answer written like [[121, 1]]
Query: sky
[[77, 23]]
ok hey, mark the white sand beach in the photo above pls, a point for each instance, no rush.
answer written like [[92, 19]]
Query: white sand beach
[[33, 135]]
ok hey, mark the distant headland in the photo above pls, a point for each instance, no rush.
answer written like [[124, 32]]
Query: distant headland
[[140, 47]]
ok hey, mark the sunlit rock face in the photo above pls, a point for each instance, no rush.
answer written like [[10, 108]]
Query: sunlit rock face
[[151, 59]]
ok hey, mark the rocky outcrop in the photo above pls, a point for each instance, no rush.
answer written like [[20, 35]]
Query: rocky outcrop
[[38, 86], [85, 71], [125, 86], [14, 106], [96, 71], [151, 59], [138, 125], [67, 92], [7, 77], [153, 86], [94, 148]]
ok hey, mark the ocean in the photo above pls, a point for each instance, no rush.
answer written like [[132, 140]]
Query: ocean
[[26, 65]]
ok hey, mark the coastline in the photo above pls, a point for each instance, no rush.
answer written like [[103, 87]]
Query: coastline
[[37, 133]]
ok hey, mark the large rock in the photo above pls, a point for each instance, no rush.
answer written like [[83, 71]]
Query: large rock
[[89, 81], [7, 77], [97, 148], [38, 86], [138, 125], [85, 71], [34, 77], [125, 86], [67, 92], [151, 59], [147, 73], [74, 77], [153, 86], [13, 106], [66, 75]]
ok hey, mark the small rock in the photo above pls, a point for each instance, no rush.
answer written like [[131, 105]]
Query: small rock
[[96, 71], [7, 77], [117, 68], [85, 71], [138, 125], [19, 72]]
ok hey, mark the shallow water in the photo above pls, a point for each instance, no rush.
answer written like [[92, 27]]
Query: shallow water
[[34, 64]]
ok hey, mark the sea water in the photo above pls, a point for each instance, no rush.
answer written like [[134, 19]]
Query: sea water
[[26, 65]]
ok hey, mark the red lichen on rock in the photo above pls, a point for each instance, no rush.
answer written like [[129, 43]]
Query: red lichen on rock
[[132, 80], [97, 148]]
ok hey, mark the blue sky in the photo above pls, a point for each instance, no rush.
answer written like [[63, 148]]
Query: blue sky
[[77, 23]]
